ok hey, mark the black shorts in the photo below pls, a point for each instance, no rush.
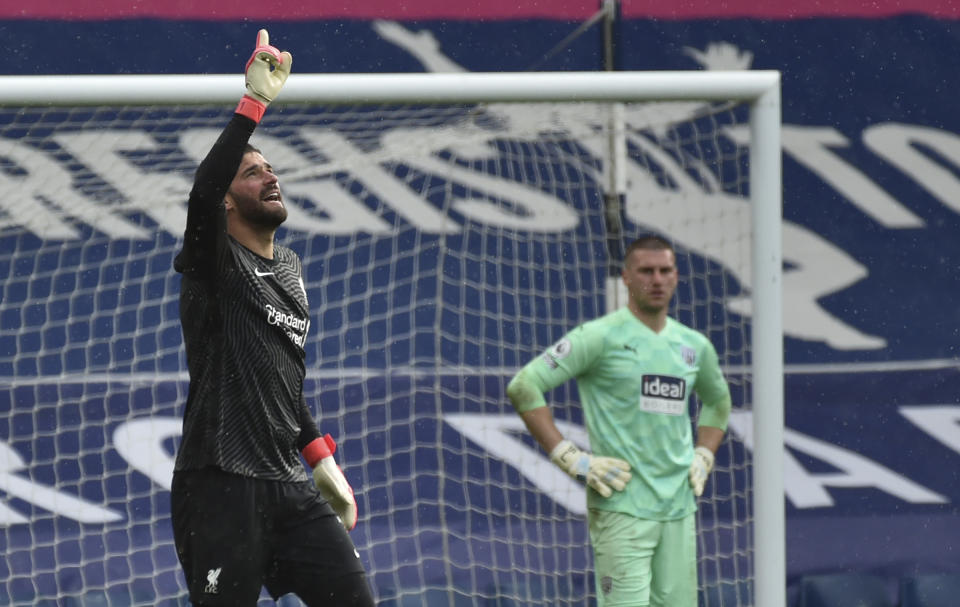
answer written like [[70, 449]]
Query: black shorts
[[235, 535]]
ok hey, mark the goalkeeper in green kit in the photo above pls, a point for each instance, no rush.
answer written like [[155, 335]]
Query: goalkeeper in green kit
[[635, 369]]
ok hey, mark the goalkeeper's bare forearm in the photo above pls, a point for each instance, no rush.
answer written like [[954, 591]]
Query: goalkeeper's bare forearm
[[540, 424], [603, 474], [528, 400], [711, 429], [709, 437]]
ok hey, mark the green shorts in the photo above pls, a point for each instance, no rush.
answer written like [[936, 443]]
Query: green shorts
[[640, 563]]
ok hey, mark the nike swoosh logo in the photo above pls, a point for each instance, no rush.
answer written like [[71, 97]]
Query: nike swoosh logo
[[259, 273]]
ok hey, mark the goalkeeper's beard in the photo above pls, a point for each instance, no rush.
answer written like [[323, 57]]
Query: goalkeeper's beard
[[261, 213]]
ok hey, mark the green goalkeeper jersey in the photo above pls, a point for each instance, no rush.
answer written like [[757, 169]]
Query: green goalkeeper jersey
[[635, 388]]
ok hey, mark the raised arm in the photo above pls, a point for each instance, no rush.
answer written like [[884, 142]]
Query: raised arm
[[266, 72]]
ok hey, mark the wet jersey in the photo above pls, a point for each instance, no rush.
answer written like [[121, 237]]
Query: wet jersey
[[245, 320], [635, 387]]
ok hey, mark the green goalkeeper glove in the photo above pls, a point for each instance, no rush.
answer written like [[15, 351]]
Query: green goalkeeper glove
[[329, 479], [266, 72], [700, 469], [604, 474]]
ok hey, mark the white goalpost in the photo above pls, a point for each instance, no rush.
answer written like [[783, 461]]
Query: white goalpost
[[451, 226]]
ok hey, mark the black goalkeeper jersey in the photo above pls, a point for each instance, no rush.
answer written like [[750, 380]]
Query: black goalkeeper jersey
[[245, 320]]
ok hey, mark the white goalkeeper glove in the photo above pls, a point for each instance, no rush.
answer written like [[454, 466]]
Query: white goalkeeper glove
[[329, 479], [266, 72], [604, 474], [700, 469]]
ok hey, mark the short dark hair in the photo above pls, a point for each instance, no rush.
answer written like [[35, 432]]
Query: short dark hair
[[650, 242], [250, 148]]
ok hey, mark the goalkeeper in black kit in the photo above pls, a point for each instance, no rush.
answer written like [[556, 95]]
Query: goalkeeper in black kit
[[245, 512]]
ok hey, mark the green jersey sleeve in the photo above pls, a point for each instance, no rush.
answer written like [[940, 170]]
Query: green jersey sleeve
[[712, 390], [571, 356]]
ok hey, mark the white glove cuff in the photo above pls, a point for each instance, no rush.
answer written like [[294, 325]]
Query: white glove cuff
[[707, 455], [571, 458], [562, 446]]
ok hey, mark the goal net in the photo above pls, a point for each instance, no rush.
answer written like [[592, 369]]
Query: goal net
[[446, 241]]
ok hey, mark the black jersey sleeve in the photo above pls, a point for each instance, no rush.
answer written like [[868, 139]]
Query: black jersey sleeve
[[206, 220], [308, 427]]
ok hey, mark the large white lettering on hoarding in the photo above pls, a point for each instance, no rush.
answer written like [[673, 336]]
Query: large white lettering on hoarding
[[805, 489], [499, 435], [706, 222], [813, 147], [942, 423], [54, 203], [336, 185], [48, 498], [691, 211], [902, 144], [140, 442], [158, 194], [143, 443]]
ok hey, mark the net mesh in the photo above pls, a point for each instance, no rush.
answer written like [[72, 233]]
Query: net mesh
[[443, 247]]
